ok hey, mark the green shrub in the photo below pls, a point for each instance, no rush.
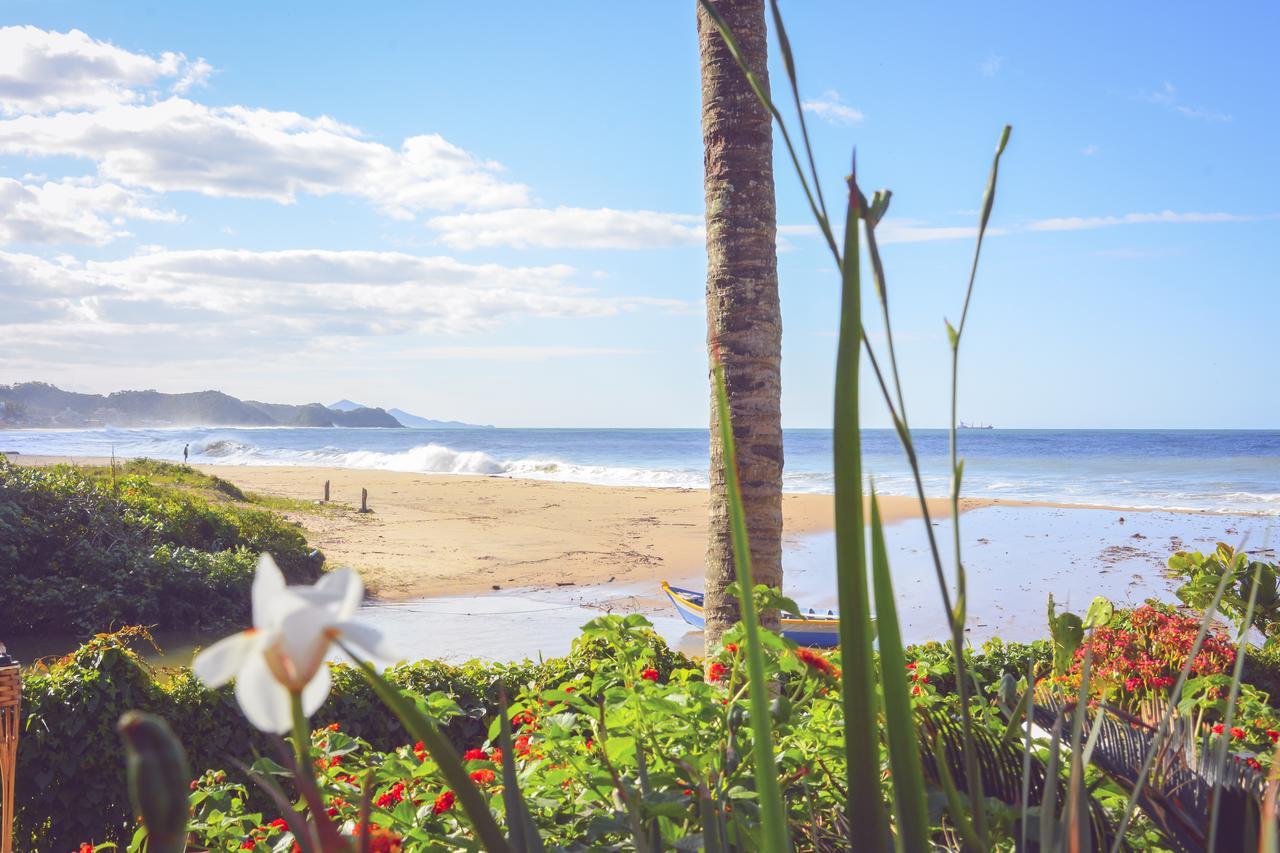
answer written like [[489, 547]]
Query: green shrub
[[82, 549], [70, 776]]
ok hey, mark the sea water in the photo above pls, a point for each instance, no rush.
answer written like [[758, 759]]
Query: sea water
[[1216, 470]]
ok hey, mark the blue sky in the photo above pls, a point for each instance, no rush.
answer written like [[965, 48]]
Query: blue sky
[[492, 212]]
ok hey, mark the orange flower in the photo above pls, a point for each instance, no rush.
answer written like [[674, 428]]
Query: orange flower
[[817, 663], [443, 803]]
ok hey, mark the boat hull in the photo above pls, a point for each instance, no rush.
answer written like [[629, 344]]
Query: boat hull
[[821, 632]]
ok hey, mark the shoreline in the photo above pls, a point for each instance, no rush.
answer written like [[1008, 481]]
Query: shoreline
[[435, 534]]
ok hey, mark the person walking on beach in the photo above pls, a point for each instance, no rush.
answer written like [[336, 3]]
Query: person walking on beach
[[186, 448]]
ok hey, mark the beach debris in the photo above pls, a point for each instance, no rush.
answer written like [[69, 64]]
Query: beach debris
[[496, 586], [566, 583], [364, 501], [326, 491]]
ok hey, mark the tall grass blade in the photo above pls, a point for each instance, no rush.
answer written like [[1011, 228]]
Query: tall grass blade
[[1220, 756], [904, 750], [421, 728], [955, 805], [858, 686], [762, 94], [775, 833], [521, 830], [1163, 726], [958, 612], [789, 62]]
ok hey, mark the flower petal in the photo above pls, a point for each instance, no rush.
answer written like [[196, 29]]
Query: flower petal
[[268, 584], [264, 700], [219, 663], [304, 638], [369, 640], [340, 591], [316, 691]]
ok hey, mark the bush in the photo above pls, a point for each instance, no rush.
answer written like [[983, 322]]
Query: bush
[[84, 549], [70, 775]]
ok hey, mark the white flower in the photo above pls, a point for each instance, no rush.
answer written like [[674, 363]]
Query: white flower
[[284, 652]]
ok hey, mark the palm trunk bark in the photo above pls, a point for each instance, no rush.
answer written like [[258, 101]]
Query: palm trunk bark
[[744, 319]]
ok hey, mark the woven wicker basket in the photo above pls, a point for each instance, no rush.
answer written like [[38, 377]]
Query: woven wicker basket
[[10, 702]]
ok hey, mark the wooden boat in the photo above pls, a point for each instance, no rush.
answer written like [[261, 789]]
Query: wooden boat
[[810, 629]]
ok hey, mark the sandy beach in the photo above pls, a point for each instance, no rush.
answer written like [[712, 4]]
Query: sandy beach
[[445, 534]]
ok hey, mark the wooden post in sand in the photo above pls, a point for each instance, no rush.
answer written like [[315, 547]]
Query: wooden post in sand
[[326, 491], [364, 500]]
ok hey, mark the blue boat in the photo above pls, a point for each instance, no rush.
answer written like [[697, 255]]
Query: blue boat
[[811, 629]]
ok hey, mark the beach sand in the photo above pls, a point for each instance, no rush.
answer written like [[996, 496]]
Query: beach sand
[[445, 534]]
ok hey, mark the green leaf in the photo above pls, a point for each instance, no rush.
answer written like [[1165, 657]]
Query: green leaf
[[910, 799], [1100, 613], [776, 834]]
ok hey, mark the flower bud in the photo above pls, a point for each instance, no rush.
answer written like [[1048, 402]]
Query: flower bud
[[159, 780]]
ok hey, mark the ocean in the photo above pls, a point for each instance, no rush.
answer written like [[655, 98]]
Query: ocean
[[1217, 470]]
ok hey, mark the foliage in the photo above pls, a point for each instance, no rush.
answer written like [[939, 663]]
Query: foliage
[[83, 549], [1145, 650], [620, 755], [1203, 572], [71, 763]]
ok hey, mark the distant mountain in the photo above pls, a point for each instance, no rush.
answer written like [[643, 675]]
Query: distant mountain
[[345, 405], [38, 404], [426, 423]]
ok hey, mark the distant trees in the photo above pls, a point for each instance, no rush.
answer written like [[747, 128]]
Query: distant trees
[[744, 319]]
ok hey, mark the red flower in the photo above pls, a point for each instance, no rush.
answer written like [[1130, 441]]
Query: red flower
[[716, 671], [1274, 735], [521, 746], [381, 840], [86, 847], [817, 663], [249, 844], [649, 674], [915, 691], [731, 647], [333, 727], [443, 803], [911, 665], [1254, 763], [475, 755], [1237, 732], [482, 776], [279, 823], [496, 756], [1217, 730]]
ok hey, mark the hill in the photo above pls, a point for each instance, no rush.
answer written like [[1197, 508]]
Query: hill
[[39, 404], [427, 423]]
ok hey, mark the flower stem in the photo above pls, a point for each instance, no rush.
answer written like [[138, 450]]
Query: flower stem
[[301, 736]]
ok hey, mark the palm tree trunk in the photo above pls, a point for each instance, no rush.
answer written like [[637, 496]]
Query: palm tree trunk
[[744, 319]]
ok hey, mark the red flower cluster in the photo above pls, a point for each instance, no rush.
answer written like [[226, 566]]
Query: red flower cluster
[[258, 834], [1150, 653], [443, 803], [817, 663], [394, 794], [483, 776], [381, 840], [420, 751], [717, 671], [732, 648], [649, 674], [475, 755]]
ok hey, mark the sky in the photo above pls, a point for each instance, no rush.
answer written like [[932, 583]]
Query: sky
[[493, 212]]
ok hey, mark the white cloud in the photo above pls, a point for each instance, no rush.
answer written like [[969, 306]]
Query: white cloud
[[190, 304], [518, 353], [895, 230], [831, 108], [177, 144], [1090, 150], [42, 71], [1167, 97], [991, 66], [1081, 223], [70, 211], [569, 227]]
